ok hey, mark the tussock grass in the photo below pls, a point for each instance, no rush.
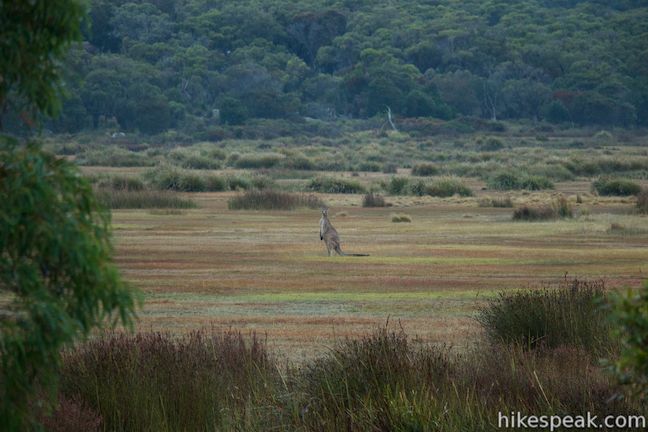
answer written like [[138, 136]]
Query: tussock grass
[[448, 187], [401, 217], [505, 202], [142, 199], [269, 199], [153, 381], [559, 209], [382, 381], [568, 313], [373, 200]]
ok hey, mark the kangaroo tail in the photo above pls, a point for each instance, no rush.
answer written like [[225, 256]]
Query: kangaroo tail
[[339, 251], [350, 254]]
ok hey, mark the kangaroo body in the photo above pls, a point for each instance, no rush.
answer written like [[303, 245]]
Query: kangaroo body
[[331, 238]]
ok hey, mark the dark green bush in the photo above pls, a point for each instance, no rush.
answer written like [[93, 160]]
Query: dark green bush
[[390, 168], [257, 161], [448, 187], [617, 187], [510, 180], [397, 186], [335, 185], [535, 183], [425, 170]]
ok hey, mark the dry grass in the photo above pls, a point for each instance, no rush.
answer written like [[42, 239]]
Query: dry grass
[[268, 271]]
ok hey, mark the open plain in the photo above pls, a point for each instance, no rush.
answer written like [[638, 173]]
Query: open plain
[[267, 271]]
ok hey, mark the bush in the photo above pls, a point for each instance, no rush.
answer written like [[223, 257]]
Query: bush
[[504, 181], [119, 182], [257, 161], [114, 156], [507, 180], [335, 185], [568, 313], [369, 166], [448, 187], [268, 199], [401, 217], [170, 178], [617, 187], [390, 168], [492, 144], [535, 183], [425, 170], [141, 199], [373, 200], [397, 186]]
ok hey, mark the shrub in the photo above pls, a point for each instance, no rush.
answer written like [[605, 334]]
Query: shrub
[[269, 199], [114, 156], [401, 217], [492, 144], [504, 180], [642, 201], [448, 187], [418, 188], [369, 166], [390, 168], [119, 182], [335, 185], [170, 178], [535, 183], [397, 186], [507, 180], [568, 313], [141, 199], [298, 162], [373, 200], [256, 161], [425, 170], [619, 187]]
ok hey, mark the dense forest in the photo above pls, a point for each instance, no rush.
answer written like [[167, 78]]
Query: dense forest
[[199, 65]]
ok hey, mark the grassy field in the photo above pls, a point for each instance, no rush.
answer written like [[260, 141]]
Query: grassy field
[[267, 271]]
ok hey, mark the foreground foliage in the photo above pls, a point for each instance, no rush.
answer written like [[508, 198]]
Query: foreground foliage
[[383, 382], [57, 279]]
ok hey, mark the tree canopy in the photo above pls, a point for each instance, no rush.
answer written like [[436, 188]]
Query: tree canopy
[[153, 65]]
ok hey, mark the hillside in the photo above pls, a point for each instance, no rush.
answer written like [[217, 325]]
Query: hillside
[[202, 66]]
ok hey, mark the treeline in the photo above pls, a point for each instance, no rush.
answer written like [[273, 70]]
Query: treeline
[[199, 65]]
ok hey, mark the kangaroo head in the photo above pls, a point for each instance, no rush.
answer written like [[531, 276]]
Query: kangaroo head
[[325, 211]]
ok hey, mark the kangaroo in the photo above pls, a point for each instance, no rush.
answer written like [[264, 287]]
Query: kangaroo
[[330, 236]]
